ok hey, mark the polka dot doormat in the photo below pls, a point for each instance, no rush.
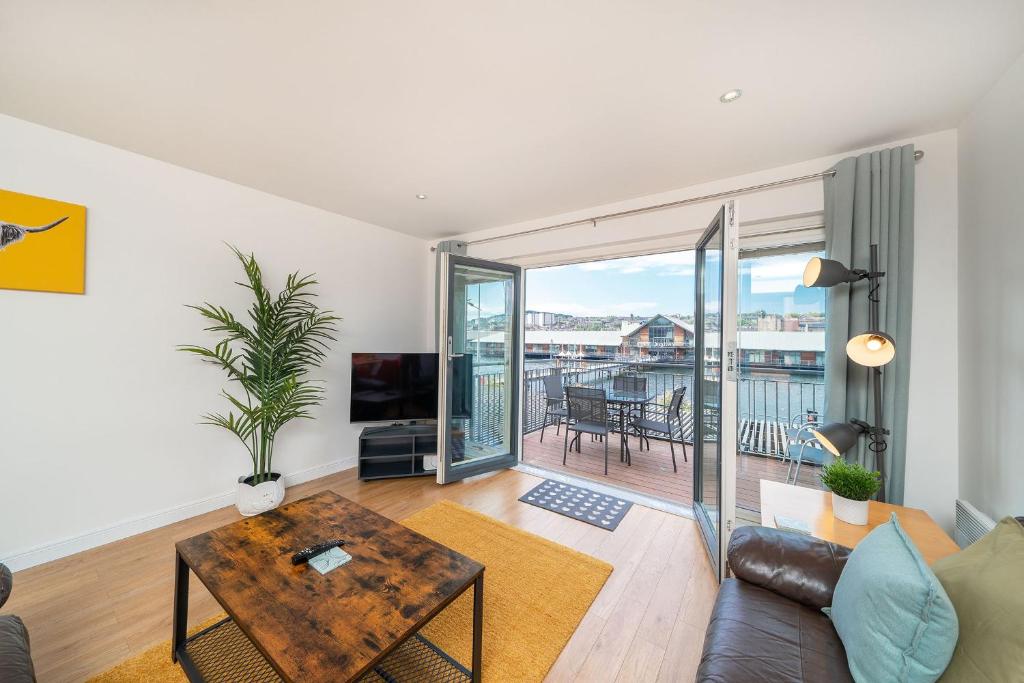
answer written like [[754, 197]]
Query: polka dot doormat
[[579, 503]]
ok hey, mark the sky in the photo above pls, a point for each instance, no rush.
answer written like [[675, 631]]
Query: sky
[[664, 283]]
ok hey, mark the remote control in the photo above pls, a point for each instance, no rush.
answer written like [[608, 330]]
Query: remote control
[[314, 550]]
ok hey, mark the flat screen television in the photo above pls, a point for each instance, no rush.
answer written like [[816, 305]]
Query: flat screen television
[[394, 386]]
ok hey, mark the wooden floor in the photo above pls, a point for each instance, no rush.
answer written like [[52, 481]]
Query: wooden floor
[[651, 471], [89, 611]]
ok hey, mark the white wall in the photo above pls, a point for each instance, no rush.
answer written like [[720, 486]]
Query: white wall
[[932, 462], [98, 412], [991, 282]]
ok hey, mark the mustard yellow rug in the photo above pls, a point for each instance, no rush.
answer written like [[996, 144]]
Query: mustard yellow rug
[[535, 594]]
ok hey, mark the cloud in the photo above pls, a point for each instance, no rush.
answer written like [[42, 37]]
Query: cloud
[[684, 271], [673, 263], [582, 310], [777, 274], [772, 285], [595, 265]]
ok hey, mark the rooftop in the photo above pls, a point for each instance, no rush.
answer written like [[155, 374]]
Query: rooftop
[[775, 341]]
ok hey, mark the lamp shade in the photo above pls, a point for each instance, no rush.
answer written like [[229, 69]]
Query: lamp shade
[[823, 272], [871, 349], [838, 437]]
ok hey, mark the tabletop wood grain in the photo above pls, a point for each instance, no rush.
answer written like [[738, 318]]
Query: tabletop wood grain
[[331, 627]]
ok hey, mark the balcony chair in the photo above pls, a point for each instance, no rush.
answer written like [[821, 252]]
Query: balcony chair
[[629, 382], [587, 414], [799, 429], [672, 420], [809, 451], [800, 426], [554, 402]]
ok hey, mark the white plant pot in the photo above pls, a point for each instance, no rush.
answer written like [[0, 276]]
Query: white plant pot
[[850, 511], [252, 500]]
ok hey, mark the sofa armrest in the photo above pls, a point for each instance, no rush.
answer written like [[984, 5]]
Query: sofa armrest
[[6, 582], [15, 657], [795, 566]]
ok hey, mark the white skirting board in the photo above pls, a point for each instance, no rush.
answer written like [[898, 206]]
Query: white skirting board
[[92, 539]]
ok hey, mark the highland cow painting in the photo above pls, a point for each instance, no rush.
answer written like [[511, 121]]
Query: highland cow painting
[[42, 244]]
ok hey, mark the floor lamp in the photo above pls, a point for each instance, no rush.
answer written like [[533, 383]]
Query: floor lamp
[[872, 349]]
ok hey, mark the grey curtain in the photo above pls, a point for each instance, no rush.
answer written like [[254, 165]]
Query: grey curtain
[[870, 200]]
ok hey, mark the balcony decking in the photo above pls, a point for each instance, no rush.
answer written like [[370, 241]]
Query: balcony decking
[[651, 472]]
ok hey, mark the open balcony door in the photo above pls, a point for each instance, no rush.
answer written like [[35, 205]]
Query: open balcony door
[[715, 381], [479, 328]]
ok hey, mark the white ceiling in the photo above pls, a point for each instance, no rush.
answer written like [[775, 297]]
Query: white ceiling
[[500, 111]]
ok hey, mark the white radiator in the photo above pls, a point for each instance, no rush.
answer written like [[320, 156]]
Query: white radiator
[[971, 524]]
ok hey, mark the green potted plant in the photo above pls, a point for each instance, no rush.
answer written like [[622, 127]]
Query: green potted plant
[[267, 360], [852, 486]]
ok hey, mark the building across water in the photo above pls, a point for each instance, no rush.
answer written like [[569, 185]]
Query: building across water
[[663, 338]]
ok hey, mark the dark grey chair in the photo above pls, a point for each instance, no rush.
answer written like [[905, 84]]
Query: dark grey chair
[[554, 402], [669, 421], [628, 383], [633, 384], [588, 414], [624, 383]]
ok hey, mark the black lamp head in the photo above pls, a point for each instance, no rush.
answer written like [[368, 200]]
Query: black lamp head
[[839, 437], [823, 272]]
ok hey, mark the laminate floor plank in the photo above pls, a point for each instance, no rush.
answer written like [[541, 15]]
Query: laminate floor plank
[[89, 611]]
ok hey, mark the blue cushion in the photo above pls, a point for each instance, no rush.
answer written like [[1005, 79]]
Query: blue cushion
[[892, 614]]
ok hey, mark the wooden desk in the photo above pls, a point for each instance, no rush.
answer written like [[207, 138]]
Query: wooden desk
[[815, 508]]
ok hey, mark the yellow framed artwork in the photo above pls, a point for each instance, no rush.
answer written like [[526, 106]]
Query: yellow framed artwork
[[42, 244]]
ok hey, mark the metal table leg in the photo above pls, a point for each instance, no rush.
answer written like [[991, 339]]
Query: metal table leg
[[478, 626], [179, 622], [623, 412]]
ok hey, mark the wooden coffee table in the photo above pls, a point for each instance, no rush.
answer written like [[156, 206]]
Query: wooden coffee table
[[359, 622]]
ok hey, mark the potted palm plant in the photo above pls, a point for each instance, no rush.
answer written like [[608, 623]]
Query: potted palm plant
[[267, 361], [852, 486]]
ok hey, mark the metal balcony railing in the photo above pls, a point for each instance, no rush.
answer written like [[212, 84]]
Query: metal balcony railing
[[768, 398]]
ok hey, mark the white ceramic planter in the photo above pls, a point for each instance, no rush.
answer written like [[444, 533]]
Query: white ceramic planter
[[252, 500], [850, 511]]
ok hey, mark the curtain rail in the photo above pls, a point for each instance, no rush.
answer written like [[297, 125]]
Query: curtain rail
[[667, 205]]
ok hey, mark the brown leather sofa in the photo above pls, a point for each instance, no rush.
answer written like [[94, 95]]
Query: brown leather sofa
[[767, 624], [15, 658]]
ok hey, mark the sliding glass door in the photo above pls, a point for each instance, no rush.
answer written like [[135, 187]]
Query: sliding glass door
[[479, 342], [714, 383]]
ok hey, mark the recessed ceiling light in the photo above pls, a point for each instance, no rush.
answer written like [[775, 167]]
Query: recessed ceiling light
[[421, 196], [730, 96]]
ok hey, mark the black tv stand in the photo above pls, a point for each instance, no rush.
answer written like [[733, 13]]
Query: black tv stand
[[396, 451]]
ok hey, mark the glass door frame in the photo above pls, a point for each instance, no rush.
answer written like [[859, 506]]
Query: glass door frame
[[446, 472], [716, 538]]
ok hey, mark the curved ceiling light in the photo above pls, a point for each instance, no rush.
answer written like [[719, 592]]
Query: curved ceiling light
[[871, 349], [823, 272], [730, 96]]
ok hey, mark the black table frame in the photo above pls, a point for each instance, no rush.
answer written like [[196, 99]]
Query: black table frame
[[180, 638]]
